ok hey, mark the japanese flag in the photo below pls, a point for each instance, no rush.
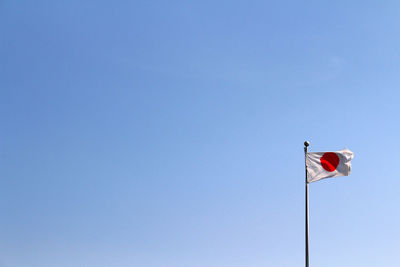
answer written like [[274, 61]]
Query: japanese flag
[[322, 165]]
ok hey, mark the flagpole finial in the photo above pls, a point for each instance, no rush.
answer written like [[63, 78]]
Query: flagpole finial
[[306, 143]]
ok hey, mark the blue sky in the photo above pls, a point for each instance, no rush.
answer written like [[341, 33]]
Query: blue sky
[[170, 133]]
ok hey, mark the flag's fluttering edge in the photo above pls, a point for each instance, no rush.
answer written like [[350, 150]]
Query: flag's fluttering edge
[[322, 165]]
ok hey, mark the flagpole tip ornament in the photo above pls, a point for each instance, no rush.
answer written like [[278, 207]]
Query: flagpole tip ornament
[[306, 143]]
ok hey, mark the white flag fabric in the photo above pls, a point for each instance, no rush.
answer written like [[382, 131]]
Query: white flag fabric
[[322, 165]]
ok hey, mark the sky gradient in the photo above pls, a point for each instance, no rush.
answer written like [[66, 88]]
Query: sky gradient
[[170, 133]]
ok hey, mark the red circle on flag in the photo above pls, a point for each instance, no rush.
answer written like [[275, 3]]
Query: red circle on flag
[[329, 161]]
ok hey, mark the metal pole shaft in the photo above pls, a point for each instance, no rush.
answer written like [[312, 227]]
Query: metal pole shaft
[[306, 144]]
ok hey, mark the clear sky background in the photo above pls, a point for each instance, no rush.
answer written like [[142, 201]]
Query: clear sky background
[[170, 133]]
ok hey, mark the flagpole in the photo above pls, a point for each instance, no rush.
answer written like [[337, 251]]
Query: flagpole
[[306, 144]]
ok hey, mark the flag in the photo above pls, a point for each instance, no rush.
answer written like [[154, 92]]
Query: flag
[[321, 165]]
